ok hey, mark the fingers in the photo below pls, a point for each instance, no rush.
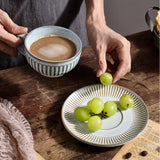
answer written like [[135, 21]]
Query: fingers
[[124, 65], [8, 41], [101, 62], [10, 25], [121, 71], [1, 26], [7, 49], [9, 38]]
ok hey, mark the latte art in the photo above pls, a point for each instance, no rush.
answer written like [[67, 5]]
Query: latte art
[[53, 48]]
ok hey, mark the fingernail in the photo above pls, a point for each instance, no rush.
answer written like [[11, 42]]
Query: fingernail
[[99, 73], [115, 80], [23, 29]]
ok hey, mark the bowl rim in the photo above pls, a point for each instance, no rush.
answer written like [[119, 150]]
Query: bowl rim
[[48, 61]]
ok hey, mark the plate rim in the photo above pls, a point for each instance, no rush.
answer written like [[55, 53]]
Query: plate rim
[[104, 145]]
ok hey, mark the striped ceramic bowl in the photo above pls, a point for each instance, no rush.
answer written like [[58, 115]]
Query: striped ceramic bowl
[[45, 67]]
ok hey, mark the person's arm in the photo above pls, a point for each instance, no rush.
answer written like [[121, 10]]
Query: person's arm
[[104, 40], [8, 29]]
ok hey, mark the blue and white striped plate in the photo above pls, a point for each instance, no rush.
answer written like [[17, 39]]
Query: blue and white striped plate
[[116, 130]]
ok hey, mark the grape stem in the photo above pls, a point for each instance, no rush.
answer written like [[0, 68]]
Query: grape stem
[[102, 114]]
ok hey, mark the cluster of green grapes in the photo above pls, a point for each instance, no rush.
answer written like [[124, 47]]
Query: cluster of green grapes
[[97, 110]]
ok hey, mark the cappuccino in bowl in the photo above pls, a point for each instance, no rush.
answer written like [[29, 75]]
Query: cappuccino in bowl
[[51, 50]]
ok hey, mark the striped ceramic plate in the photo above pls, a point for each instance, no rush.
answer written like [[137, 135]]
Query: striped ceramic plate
[[116, 130]]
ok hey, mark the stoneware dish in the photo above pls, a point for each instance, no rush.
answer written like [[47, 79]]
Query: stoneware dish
[[116, 130], [45, 67]]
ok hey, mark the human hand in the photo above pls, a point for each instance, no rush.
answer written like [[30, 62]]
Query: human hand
[[104, 40], [8, 41]]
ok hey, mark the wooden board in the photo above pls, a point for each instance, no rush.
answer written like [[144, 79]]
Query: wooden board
[[148, 141], [38, 156]]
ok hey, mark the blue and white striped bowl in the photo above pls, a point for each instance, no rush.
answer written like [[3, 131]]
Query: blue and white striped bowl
[[45, 67]]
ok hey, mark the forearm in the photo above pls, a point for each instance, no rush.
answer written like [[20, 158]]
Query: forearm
[[95, 12]]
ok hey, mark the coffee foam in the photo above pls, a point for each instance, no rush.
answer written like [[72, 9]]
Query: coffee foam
[[53, 50]]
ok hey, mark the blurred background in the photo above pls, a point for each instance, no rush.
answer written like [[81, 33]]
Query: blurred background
[[128, 16]]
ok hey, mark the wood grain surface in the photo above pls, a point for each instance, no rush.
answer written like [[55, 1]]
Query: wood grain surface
[[40, 98]]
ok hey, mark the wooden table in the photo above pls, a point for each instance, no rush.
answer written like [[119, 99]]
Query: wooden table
[[40, 99]]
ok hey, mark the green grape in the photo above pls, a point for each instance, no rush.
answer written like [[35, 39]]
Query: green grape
[[106, 78], [81, 114], [126, 101], [96, 105], [89, 104], [110, 108], [94, 123]]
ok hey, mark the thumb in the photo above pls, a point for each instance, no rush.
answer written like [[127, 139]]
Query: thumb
[[10, 25], [101, 63]]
